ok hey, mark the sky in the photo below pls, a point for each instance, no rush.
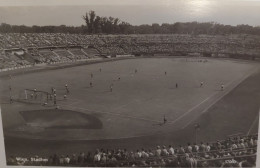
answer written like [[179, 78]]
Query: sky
[[136, 12]]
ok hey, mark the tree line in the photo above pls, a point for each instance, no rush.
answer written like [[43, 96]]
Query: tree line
[[95, 24]]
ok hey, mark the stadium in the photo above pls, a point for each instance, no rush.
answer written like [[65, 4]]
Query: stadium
[[130, 100], [147, 89]]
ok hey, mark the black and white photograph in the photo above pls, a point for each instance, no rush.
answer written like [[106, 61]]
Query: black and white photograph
[[129, 83]]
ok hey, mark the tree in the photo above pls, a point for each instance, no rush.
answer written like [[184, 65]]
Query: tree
[[90, 21], [5, 28], [156, 28]]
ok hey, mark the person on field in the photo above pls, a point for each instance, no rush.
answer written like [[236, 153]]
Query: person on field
[[67, 88], [135, 70], [164, 120], [176, 85], [222, 87], [90, 84], [111, 88], [35, 93], [11, 100], [54, 99], [165, 73], [201, 84], [32, 96]]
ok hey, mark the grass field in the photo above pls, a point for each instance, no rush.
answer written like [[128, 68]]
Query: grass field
[[133, 112]]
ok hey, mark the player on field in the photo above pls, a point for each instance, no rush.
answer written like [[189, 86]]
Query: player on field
[[90, 84], [35, 93], [164, 120], [53, 90], [10, 89], [222, 87], [100, 70], [111, 88], [11, 100], [201, 84], [176, 85], [65, 97], [67, 88], [135, 70], [54, 99], [119, 78], [165, 73]]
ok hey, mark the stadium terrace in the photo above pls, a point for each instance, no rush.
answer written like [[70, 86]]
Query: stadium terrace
[[19, 50]]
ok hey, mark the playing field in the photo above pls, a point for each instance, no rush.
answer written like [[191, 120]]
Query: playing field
[[135, 107]]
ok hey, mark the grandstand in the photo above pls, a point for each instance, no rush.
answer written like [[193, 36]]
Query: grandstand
[[234, 46]]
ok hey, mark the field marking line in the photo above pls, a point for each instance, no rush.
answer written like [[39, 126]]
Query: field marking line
[[252, 125], [190, 110], [209, 105], [110, 113], [226, 92]]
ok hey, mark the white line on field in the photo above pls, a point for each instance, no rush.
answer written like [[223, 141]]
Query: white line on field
[[190, 110], [226, 92], [252, 125]]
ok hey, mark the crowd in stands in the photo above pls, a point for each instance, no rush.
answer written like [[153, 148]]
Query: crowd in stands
[[54, 47], [232, 152]]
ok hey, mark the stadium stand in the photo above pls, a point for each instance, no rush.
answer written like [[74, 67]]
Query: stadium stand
[[55, 47], [237, 151]]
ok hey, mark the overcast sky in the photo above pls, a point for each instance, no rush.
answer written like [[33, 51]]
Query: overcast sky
[[136, 12]]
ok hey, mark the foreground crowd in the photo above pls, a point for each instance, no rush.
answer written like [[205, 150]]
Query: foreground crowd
[[232, 152], [30, 48]]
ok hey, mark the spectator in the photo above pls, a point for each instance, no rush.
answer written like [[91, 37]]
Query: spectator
[[158, 151], [67, 160], [164, 151], [171, 150]]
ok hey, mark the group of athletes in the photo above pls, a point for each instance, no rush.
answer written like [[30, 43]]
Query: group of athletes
[[52, 96]]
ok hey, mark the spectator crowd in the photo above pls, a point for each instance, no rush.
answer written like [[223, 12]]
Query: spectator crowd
[[18, 49], [237, 151]]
